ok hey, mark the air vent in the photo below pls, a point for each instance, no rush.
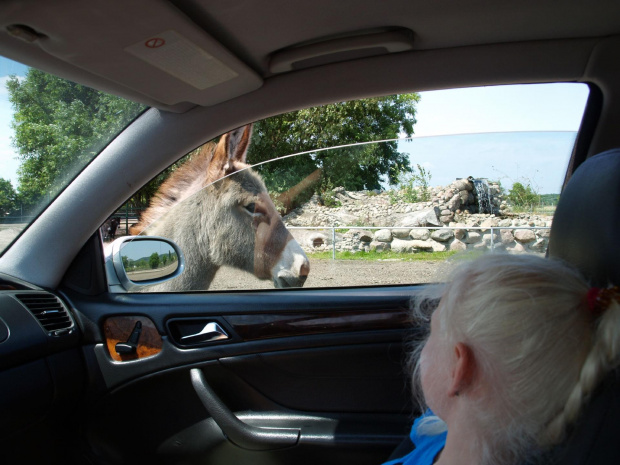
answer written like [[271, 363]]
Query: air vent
[[50, 312]]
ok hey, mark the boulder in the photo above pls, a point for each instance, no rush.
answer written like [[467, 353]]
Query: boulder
[[422, 245], [507, 237], [383, 235], [365, 235], [462, 185], [446, 219], [400, 233], [420, 234], [489, 222], [473, 237], [454, 203], [515, 248], [486, 238], [402, 246], [460, 230], [317, 239], [438, 246], [425, 217], [524, 236], [379, 246], [457, 245], [442, 235], [538, 246]]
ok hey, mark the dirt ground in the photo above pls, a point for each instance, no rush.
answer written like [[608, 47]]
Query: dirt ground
[[339, 273]]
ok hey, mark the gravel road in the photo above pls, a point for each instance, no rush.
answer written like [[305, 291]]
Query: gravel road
[[339, 273]]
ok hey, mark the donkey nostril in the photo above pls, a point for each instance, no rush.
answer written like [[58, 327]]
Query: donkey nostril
[[304, 270]]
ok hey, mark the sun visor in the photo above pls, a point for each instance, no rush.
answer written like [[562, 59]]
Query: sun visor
[[147, 46]]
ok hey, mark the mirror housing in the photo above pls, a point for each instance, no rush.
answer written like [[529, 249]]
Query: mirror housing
[[134, 263]]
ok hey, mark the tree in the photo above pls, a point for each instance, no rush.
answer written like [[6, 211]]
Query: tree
[[521, 195], [154, 260], [58, 127], [8, 197], [354, 168]]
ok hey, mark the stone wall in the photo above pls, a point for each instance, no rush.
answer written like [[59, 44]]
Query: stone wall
[[411, 227]]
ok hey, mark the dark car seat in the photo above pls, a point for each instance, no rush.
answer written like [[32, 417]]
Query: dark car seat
[[585, 228]]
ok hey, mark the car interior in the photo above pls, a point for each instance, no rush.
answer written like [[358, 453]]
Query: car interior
[[302, 375]]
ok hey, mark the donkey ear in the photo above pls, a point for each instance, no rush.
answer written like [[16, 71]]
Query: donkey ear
[[231, 149], [237, 143]]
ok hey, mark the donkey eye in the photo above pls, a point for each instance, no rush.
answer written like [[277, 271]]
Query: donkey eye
[[250, 207]]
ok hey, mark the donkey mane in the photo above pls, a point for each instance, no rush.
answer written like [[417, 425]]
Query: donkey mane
[[184, 182]]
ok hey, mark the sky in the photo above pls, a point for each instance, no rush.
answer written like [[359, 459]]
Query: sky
[[538, 159], [136, 250], [468, 115], [8, 163], [521, 133]]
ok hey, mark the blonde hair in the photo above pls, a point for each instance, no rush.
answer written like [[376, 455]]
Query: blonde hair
[[527, 322]]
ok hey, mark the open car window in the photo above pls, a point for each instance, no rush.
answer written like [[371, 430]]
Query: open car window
[[373, 212], [50, 129]]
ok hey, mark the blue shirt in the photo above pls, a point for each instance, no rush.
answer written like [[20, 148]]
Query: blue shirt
[[426, 447]]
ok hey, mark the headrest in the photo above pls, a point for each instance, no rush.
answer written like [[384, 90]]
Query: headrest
[[586, 224], [584, 230], [594, 440]]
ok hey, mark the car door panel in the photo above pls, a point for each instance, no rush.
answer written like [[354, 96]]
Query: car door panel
[[327, 363], [172, 425]]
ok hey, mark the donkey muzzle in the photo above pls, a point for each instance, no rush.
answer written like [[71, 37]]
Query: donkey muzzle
[[293, 268]]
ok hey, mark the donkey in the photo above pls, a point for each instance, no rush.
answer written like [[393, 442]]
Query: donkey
[[218, 219]]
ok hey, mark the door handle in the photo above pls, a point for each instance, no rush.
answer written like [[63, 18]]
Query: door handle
[[130, 347], [211, 332], [239, 433]]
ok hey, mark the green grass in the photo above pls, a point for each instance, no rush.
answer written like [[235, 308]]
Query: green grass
[[388, 255], [536, 209]]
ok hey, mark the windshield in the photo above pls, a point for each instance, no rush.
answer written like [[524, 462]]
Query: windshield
[[50, 129]]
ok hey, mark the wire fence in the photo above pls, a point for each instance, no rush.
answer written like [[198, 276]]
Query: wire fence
[[128, 217]]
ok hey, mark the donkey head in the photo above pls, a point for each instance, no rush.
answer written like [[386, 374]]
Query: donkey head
[[246, 230]]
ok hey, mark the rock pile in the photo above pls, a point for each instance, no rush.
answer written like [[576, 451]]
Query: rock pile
[[448, 221]]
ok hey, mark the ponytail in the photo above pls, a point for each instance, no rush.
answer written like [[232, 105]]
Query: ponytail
[[603, 357]]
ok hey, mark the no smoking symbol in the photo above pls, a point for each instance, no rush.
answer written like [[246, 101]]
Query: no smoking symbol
[[155, 42]]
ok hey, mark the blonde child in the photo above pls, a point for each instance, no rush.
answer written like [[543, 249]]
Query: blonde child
[[517, 344]]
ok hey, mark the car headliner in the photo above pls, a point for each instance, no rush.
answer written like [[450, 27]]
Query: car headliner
[[452, 44]]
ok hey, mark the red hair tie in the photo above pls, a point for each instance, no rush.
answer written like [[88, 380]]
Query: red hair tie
[[599, 298]]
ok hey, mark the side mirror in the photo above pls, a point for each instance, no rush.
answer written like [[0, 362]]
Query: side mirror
[[136, 262]]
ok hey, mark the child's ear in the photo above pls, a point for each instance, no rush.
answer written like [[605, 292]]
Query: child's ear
[[464, 369]]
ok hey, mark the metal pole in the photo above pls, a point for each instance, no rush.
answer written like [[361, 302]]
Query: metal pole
[[333, 243], [492, 237]]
